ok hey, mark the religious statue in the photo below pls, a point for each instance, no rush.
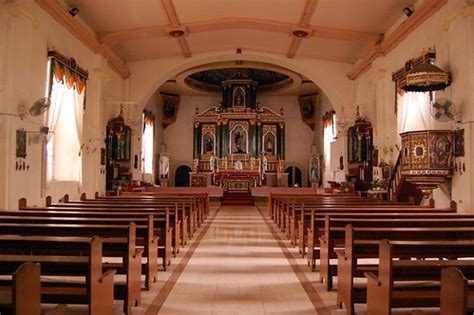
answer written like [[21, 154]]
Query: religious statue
[[214, 163], [269, 145], [164, 166], [314, 170], [238, 100], [264, 166], [238, 142], [209, 145], [238, 165], [196, 165]]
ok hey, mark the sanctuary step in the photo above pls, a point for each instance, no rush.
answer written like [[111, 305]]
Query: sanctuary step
[[235, 198]]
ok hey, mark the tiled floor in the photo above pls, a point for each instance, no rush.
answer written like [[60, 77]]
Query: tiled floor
[[240, 268]]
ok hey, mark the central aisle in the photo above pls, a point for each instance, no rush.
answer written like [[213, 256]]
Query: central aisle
[[238, 268]]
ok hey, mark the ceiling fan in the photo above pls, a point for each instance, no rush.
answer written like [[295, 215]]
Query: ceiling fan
[[443, 110]]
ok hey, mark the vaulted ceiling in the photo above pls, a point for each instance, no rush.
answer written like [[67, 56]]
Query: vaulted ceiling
[[340, 30], [337, 30]]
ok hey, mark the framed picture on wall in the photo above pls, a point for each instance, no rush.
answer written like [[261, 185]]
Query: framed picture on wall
[[308, 109], [170, 104], [21, 143]]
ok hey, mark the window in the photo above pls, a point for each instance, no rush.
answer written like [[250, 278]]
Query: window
[[66, 90], [147, 144]]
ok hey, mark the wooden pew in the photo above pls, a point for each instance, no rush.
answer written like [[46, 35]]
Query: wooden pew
[[317, 221], [160, 223], [120, 241], [338, 232], [363, 243], [97, 291], [175, 212], [413, 283], [145, 237], [457, 298], [23, 296]]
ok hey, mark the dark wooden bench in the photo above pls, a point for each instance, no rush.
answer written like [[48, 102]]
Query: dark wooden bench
[[176, 212], [457, 297], [20, 236], [23, 295], [413, 283], [311, 238], [336, 235], [93, 287], [160, 224]]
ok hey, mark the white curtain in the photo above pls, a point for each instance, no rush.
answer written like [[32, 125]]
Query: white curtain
[[78, 108], [414, 112], [329, 135], [64, 140], [147, 150]]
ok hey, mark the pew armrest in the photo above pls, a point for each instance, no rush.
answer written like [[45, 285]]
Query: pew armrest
[[108, 276], [341, 254], [138, 253], [372, 279]]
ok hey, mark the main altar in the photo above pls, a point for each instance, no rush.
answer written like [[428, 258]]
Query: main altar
[[239, 144]]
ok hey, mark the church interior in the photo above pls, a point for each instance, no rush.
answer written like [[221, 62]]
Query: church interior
[[236, 157]]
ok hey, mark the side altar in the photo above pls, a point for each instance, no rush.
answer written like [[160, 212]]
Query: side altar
[[239, 142]]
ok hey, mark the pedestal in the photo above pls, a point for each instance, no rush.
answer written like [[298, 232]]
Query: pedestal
[[164, 182]]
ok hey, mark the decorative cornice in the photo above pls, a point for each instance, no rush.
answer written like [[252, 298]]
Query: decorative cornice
[[427, 9], [53, 8]]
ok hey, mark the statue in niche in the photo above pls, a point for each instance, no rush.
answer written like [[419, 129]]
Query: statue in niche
[[238, 98], [209, 145], [269, 145], [238, 142], [164, 166]]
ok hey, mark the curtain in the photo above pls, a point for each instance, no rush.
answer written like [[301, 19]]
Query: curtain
[[414, 112], [147, 145], [64, 141], [329, 135]]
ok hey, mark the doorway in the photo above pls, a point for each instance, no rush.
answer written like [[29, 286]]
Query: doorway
[[294, 176], [181, 178]]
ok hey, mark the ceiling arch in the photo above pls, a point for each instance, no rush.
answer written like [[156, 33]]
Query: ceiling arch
[[330, 77]]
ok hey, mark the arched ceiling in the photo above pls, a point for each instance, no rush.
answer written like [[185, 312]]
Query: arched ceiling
[[338, 30]]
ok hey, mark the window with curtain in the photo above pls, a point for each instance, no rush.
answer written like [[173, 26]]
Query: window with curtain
[[66, 89], [147, 144], [329, 135]]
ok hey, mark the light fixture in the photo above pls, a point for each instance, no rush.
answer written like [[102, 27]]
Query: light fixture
[[407, 11], [73, 11], [300, 33], [176, 33]]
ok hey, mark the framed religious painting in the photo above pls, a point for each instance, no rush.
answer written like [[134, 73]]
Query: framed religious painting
[[21, 143], [308, 109], [170, 104]]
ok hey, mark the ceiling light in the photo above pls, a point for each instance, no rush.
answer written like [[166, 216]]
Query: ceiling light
[[300, 33], [73, 11], [176, 33], [407, 11]]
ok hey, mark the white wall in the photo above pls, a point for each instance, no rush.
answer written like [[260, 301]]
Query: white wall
[[23, 52], [374, 90]]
